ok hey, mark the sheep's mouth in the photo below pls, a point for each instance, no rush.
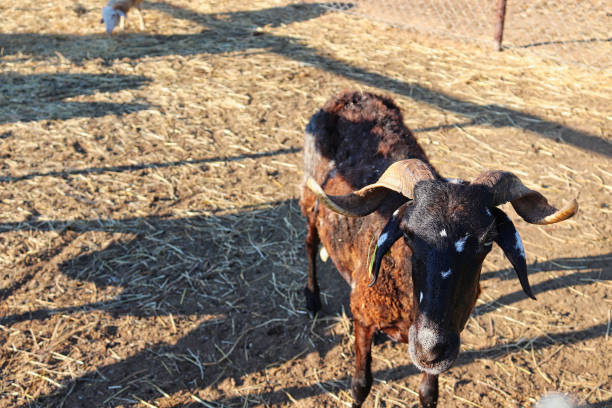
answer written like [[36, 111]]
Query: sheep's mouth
[[436, 367]]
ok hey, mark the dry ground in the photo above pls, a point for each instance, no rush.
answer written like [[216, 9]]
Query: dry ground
[[151, 245], [575, 31]]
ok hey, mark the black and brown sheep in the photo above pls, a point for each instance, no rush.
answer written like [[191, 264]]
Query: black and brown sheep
[[367, 184]]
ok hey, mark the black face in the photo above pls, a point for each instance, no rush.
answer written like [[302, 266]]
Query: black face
[[450, 230]]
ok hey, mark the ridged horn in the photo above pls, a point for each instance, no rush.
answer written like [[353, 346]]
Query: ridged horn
[[532, 206], [400, 177]]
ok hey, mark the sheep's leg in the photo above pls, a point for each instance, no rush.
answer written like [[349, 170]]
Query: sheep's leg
[[428, 391], [122, 23], [362, 379], [140, 19], [311, 291]]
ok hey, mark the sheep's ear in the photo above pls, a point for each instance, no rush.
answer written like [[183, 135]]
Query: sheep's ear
[[390, 233], [510, 242], [102, 21]]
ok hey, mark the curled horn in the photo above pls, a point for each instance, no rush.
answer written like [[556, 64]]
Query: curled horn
[[401, 177], [530, 205]]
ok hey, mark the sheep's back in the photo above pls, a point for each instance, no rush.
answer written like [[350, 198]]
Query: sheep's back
[[358, 135]]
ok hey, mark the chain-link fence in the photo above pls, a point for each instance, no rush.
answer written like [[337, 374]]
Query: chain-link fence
[[576, 31]]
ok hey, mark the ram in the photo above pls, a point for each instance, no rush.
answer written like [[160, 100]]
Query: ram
[[367, 185]]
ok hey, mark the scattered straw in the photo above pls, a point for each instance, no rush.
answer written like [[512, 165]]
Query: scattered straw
[[149, 211]]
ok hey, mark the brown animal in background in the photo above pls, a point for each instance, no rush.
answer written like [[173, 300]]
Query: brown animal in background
[[116, 11], [367, 177]]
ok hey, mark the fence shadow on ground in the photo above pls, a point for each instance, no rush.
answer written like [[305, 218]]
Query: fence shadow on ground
[[247, 269], [143, 166], [36, 97], [598, 269], [560, 42], [241, 268], [237, 32]]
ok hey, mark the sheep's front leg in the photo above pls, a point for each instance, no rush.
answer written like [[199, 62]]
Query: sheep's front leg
[[311, 291], [428, 391], [362, 379], [140, 19]]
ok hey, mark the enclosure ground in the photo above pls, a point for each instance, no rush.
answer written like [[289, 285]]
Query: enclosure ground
[[151, 245]]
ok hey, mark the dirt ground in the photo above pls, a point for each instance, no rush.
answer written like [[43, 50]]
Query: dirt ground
[[151, 245], [574, 31]]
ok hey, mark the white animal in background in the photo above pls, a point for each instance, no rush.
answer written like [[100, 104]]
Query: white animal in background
[[116, 11], [556, 400]]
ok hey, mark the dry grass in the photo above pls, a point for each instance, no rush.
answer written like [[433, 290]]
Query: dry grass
[[574, 32], [150, 236]]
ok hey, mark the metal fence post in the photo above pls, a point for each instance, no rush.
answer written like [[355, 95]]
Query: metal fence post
[[501, 17]]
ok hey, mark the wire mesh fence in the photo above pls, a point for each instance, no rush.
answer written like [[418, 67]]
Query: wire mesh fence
[[575, 31]]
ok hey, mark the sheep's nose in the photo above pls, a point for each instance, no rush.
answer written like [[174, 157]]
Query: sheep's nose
[[432, 354], [433, 348]]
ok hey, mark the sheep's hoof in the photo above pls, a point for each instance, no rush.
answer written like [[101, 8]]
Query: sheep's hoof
[[428, 403], [428, 391], [313, 301], [360, 388]]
